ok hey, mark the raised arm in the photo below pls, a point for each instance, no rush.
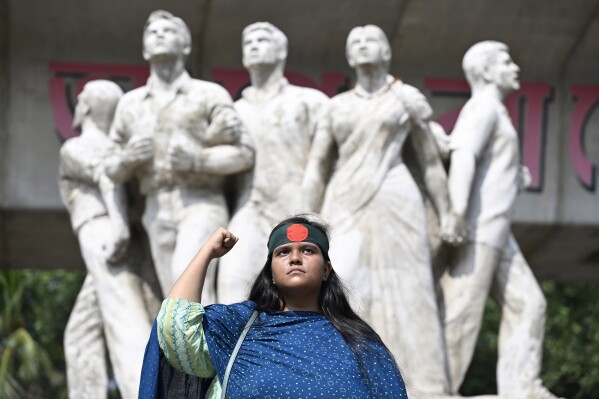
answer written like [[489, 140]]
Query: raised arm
[[190, 284]]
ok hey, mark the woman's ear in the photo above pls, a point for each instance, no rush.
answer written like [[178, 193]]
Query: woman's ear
[[327, 270]]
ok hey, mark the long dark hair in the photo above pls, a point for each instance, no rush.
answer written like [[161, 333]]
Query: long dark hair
[[332, 300]]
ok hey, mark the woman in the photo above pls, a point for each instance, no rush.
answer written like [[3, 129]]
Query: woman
[[305, 342]]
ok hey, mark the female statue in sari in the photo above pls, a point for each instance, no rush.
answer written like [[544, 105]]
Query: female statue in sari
[[377, 210]]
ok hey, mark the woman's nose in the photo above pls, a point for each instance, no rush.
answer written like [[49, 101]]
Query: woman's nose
[[295, 258]]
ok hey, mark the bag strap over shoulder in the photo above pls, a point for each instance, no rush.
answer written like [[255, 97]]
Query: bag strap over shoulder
[[223, 393]]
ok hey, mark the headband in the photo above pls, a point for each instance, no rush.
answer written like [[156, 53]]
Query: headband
[[298, 232]]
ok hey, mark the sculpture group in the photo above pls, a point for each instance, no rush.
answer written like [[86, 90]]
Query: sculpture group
[[291, 149]]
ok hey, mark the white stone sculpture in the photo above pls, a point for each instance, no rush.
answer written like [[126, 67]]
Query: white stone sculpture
[[281, 119], [379, 244], [111, 304], [484, 179], [180, 137]]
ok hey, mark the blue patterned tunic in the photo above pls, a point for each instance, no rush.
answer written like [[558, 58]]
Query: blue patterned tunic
[[286, 354]]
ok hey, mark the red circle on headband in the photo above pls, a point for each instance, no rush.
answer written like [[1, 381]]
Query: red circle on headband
[[297, 232]]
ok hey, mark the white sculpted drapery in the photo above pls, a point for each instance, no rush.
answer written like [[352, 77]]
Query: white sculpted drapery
[[380, 243]]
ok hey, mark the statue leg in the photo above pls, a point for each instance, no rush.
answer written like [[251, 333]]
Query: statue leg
[[120, 297], [197, 224], [523, 307], [237, 270], [159, 223], [404, 312], [465, 287], [85, 353]]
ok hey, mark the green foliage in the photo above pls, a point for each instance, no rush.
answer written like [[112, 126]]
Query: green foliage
[[481, 378], [571, 363], [571, 355], [35, 307]]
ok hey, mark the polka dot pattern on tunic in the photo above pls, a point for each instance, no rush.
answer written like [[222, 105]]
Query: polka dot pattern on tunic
[[295, 355]]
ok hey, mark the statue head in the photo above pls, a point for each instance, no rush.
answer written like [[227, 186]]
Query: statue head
[[263, 43], [489, 62], [367, 45], [165, 35], [97, 101]]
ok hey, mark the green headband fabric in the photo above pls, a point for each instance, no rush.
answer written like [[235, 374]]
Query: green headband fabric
[[298, 232]]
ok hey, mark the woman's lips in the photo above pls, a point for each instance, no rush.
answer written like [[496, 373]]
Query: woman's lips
[[296, 270]]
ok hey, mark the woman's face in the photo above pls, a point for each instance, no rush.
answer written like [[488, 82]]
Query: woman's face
[[299, 266]]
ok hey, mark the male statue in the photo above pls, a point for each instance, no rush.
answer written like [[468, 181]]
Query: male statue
[[180, 137], [380, 243], [484, 179], [111, 303], [281, 120]]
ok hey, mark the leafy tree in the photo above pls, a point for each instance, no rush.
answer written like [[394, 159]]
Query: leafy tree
[[571, 353], [571, 363], [35, 307], [481, 378]]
